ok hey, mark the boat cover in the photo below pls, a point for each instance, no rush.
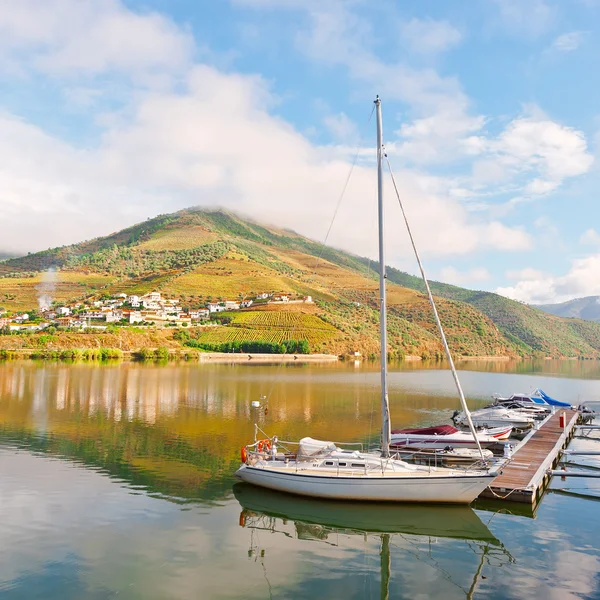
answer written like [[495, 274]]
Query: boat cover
[[439, 430], [552, 401], [311, 447]]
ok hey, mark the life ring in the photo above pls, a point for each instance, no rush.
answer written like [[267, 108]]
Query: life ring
[[244, 454], [263, 445]]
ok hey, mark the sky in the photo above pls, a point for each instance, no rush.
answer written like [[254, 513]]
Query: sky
[[114, 111]]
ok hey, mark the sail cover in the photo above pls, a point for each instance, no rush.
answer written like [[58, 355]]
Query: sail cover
[[311, 447]]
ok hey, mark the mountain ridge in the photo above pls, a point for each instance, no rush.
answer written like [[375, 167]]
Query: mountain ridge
[[586, 308], [199, 254]]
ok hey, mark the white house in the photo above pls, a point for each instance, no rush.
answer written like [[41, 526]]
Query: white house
[[201, 313], [135, 316], [307, 298], [232, 305], [246, 303], [134, 301], [152, 296], [114, 316], [150, 304], [63, 311], [213, 307], [21, 318], [94, 314], [263, 296]]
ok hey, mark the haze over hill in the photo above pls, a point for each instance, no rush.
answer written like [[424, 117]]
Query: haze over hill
[[587, 308], [202, 255]]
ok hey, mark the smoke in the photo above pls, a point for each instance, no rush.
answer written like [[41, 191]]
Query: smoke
[[46, 289]]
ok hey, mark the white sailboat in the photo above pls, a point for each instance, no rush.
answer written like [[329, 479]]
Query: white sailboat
[[324, 469]]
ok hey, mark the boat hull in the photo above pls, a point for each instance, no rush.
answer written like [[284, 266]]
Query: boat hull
[[443, 489], [440, 442], [458, 439]]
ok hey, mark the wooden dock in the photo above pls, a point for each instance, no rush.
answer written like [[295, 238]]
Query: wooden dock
[[526, 476]]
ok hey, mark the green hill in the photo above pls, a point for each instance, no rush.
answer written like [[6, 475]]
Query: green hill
[[203, 255]]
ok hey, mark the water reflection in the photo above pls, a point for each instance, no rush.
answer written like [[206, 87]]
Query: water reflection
[[324, 521], [118, 479]]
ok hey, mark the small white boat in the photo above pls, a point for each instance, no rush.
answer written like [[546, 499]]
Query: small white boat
[[326, 470], [495, 417], [445, 436]]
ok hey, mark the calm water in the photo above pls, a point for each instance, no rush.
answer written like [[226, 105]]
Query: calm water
[[117, 480]]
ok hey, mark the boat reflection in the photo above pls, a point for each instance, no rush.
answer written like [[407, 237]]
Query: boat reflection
[[313, 519]]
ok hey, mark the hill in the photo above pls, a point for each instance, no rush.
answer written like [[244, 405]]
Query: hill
[[207, 255], [587, 308]]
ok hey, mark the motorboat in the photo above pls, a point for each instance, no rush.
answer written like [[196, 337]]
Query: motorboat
[[495, 417], [444, 436]]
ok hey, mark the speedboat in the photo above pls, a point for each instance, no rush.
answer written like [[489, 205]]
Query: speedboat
[[495, 417], [445, 436], [523, 400]]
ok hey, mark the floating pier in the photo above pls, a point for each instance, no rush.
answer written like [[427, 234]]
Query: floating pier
[[525, 477]]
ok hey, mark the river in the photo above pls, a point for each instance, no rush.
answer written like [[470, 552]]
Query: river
[[116, 480]]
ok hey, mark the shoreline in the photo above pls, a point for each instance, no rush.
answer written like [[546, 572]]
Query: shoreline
[[248, 357]]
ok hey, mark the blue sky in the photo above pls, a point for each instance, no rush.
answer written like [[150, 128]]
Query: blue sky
[[112, 111]]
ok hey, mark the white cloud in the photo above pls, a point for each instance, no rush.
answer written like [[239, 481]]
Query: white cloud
[[527, 273], [342, 128], [535, 288], [213, 140], [428, 36], [533, 156], [211, 143], [439, 138], [567, 42], [555, 150], [590, 238], [469, 277], [86, 37], [527, 18]]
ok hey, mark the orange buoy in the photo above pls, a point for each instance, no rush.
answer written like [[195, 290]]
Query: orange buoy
[[244, 454]]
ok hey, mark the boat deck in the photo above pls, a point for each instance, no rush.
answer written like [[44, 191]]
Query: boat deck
[[525, 477]]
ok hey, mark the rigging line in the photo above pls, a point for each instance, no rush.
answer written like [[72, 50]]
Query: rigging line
[[435, 312], [339, 202]]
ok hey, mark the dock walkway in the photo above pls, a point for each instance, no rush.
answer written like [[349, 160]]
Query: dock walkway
[[526, 476]]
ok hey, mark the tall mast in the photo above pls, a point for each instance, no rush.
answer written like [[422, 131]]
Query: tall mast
[[385, 406]]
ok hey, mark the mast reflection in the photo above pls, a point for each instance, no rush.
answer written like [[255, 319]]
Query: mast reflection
[[316, 520]]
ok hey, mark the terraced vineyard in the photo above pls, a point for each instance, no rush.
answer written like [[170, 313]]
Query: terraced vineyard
[[271, 326]]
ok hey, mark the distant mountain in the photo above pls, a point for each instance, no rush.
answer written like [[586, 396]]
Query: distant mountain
[[587, 308], [201, 255], [4, 255]]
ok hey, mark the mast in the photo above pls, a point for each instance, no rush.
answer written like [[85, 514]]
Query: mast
[[385, 406]]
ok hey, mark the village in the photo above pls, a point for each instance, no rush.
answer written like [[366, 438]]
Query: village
[[150, 309]]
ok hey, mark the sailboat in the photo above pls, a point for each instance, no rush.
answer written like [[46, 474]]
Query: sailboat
[[324, 469]]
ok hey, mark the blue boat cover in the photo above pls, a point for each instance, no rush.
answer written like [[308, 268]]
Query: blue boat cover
[[551, 401]]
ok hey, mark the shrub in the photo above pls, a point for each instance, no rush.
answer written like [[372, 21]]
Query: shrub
[[162, 353]]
